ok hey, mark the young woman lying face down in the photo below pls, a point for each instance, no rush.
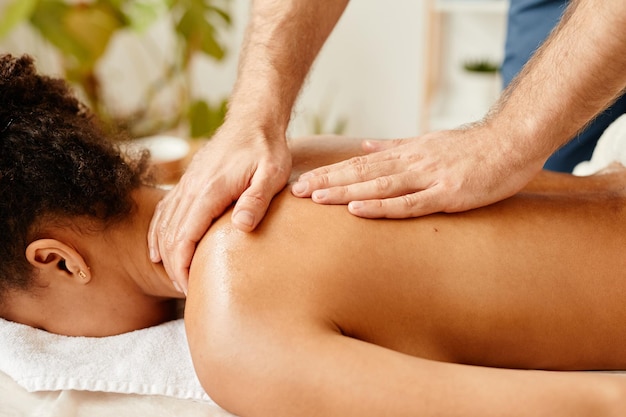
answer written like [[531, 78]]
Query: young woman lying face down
[[320, 313]]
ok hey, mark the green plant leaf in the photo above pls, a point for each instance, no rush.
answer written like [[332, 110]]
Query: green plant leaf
[[211, 47], [81, 32], [48, 18], [141, 14], [198, 32], [198, 118], [481, 65], [223, 14], [15, 13], [93, 28], [116, 4], [204, 119], [340, 126]]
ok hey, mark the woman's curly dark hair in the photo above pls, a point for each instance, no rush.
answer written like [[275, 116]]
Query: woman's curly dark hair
[[55, 164]]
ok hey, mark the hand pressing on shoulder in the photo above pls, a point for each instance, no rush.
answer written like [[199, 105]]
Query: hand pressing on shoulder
[[246, 167], [446, 171]]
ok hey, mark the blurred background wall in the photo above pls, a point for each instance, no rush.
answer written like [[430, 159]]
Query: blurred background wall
[[389, 69]]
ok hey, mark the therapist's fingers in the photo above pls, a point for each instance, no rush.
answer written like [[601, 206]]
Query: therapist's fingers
[[361, 167], [179, 222], [443, 171], [405, 206], [381, 187], [153, 240], [352, 171]]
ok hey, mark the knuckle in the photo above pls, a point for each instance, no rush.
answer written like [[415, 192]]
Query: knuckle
[[357, 160], [451, 187], [254, 199], [163, 230], [339, 193], [361, 171], [409, 201], [274, 168], [414, 158], [320, 171], [321, 181], [173, 238], [169, 242], [383, 183], [274, 172]]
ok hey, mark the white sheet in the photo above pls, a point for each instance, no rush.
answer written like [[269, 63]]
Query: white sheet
[[611, 147], [15, 401]]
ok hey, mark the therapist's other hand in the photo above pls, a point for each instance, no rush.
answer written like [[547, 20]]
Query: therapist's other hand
[[247, 167], [446, 171]]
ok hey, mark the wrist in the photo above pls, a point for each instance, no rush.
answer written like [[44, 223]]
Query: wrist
[[521, 142], [256, 113], [252, 126]]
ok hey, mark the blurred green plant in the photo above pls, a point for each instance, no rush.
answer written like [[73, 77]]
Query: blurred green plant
[[321, 125], [481, 65], [324, 120], [81, 31]]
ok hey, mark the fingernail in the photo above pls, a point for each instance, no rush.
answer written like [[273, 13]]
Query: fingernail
[[244, 217], [299, 187], [305, 176], [319, 195], [355, 205], [371, 146], [177, 286], [154, 256]]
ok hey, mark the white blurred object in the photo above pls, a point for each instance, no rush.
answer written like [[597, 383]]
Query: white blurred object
[[611, 147], [167, 155]]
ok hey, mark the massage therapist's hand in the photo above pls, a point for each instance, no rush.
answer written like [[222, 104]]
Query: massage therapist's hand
[[446, 171], [232, 166]]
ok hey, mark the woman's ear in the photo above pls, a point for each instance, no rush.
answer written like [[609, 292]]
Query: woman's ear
[[54, 258]]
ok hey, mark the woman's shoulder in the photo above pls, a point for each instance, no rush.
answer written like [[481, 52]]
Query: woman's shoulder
[[298, 242], [273, 242]]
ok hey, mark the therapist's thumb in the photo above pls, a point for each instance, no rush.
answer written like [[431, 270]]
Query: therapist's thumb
[[251, 207]]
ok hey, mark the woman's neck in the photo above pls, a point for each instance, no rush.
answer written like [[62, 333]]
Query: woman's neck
[[131, 248]]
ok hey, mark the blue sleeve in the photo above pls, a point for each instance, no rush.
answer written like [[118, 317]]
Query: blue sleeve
[[529, 23]]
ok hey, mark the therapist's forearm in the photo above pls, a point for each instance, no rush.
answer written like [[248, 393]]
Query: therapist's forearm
[[282, 40], [577, 73]]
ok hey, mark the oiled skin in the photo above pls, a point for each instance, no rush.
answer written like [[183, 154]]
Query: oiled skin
[[277, 319]]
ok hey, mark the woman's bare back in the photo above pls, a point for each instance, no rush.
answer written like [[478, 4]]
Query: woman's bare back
[[536, 281]]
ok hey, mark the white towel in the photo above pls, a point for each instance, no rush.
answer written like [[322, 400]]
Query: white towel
[[611, 147], [152, 361]]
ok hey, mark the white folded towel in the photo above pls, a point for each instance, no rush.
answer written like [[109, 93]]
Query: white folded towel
[[152, 361], [611, 147]]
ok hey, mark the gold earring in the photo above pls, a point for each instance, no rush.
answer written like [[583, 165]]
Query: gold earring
[[82, 274]]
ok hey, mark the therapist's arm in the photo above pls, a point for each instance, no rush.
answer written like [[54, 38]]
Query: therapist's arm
[[247, 160], [579, 72], [576, 74]]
